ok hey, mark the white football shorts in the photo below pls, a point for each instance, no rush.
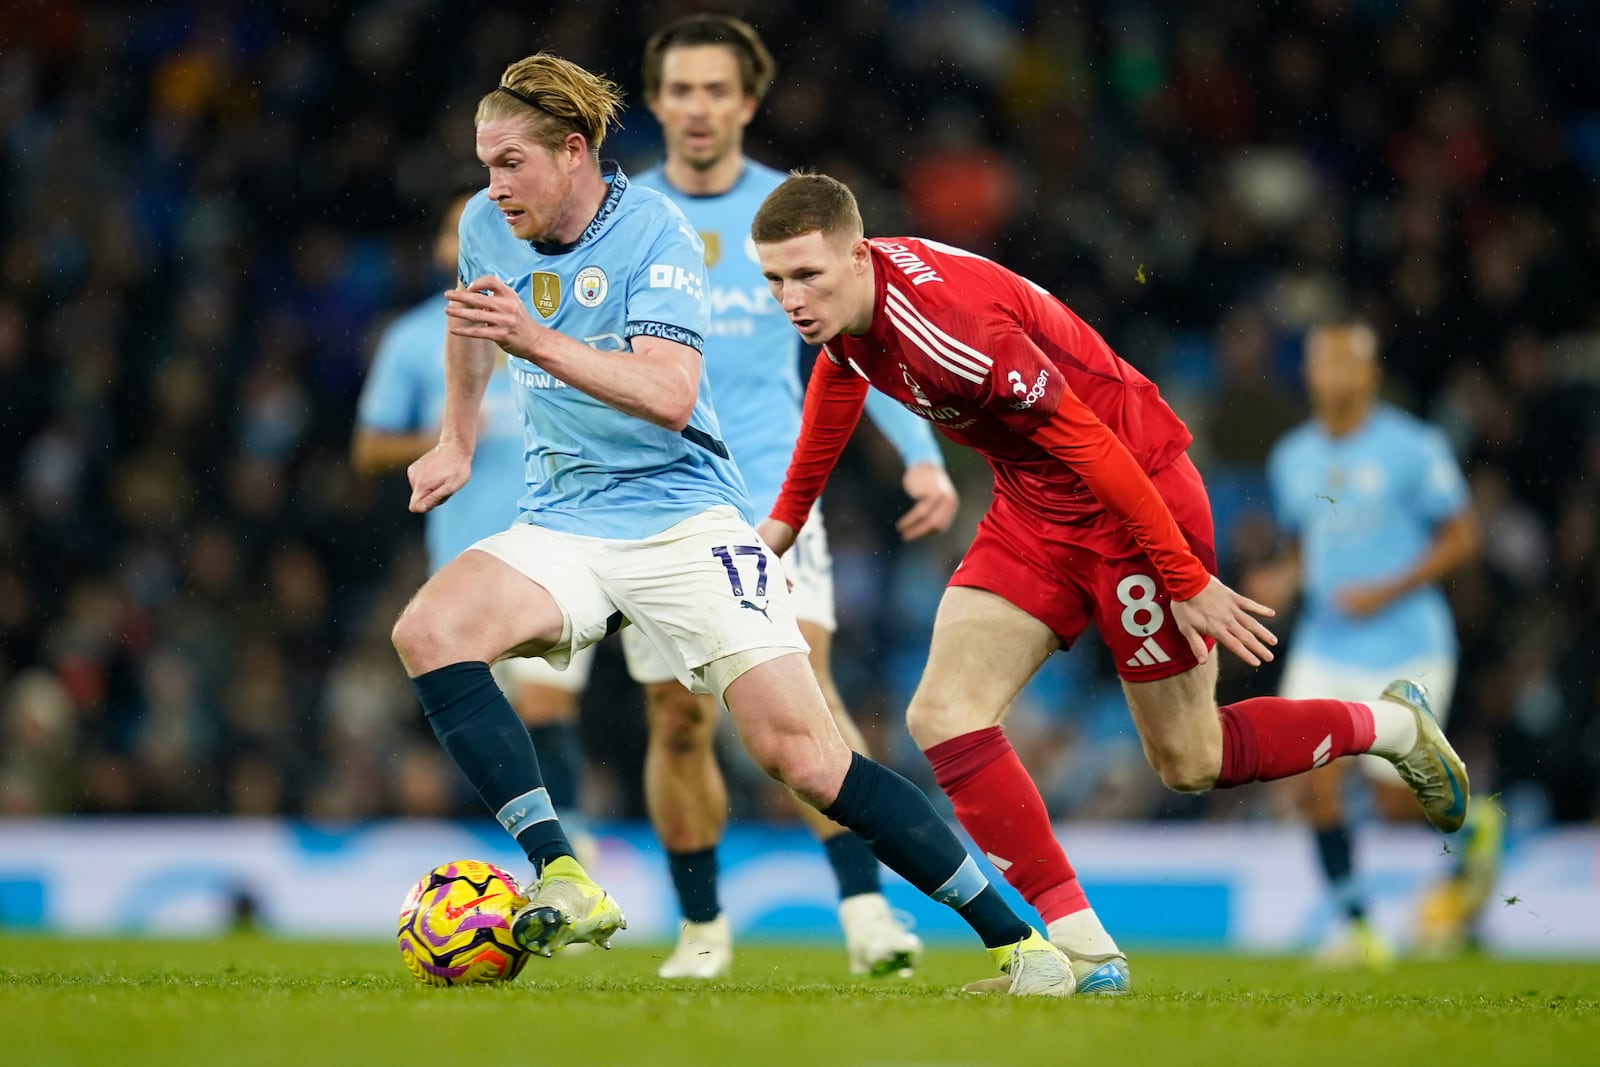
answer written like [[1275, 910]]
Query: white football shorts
[[536, 670], [702, 590], [809, 566], [1308, 677]]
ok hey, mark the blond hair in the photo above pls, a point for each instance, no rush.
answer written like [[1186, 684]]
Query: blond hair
[[555, 97], [804, 203]]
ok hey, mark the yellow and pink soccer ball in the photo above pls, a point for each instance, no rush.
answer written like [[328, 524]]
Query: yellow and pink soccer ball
[[455, 925]]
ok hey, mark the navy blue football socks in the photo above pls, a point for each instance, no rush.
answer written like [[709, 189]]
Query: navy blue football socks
[[1333, 848], [561, 761], [477, 726], [694, 876], [853, 864], [900, 824]]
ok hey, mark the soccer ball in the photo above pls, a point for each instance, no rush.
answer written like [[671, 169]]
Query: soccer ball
[[455, 925]]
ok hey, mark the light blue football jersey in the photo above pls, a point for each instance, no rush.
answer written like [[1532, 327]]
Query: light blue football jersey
[[404, 393], [753, 354], [639, 269], [1365, 507]]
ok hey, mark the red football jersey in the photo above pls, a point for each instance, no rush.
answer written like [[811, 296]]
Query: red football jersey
[[1004, 368]]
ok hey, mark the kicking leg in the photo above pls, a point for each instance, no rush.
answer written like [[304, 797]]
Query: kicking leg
[[784, 722], [476, 609], [547, 703]]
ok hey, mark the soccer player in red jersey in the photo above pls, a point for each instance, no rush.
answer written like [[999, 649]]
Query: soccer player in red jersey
[[1098, 516]]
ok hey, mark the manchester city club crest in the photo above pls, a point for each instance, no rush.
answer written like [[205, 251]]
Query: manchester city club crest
[[546, 292], [713, 243], [590, 286]]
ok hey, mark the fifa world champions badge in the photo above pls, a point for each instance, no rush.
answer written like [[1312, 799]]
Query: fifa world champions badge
[[546, 292]]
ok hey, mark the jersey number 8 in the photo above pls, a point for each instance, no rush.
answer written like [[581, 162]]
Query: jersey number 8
[[1141, 615]]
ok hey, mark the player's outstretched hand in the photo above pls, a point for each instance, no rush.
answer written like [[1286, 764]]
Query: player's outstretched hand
[[934, 502], [491, 309], [779, 536], [437, 474], [1219, 612]]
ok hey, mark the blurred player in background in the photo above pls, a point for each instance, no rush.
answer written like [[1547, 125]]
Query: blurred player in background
[[634, 513], [397, 420], [704, 76], [1378, 513], [1099, 515]]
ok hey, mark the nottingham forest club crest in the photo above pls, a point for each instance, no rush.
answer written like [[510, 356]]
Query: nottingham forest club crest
[[546, 292], [590, 286]]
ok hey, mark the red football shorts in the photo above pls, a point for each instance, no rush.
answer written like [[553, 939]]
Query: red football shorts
[[1069, 576]]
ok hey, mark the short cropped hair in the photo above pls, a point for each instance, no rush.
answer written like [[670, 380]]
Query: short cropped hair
[[756, 67], [555, 97], [1359, 327], [804, 203]]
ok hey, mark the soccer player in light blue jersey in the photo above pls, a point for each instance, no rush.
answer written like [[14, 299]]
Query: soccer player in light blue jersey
[[1378, 512], [397, 420], [704, 76], [634, 515]]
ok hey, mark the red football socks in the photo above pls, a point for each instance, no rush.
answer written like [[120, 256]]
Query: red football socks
[[1271, 737], [1002, 810]]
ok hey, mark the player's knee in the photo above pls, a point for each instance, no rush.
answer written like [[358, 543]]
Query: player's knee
[[798, 763], [812, 778], [1185, 770], [931, 720], [417, 640], [679, 722]]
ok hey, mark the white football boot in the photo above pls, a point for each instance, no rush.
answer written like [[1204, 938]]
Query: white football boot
[[1432, 769], [878, 943], [1035, 968], [704, 950], [1100, 967], [568, 907]]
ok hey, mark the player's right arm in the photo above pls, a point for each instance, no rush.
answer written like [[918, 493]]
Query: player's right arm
[[834, 399], [445, 468]]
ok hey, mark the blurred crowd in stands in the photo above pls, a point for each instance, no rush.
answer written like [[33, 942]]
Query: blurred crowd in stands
[[209, 210]]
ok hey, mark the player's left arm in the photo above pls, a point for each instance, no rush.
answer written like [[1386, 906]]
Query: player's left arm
[[1440, 490], [1030, 395], [933, 495]]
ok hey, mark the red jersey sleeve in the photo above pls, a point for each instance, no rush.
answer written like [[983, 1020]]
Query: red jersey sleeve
[[1030, 395], [834, 399]]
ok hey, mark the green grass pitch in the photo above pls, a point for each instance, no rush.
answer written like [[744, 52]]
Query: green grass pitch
[[250, 1000]]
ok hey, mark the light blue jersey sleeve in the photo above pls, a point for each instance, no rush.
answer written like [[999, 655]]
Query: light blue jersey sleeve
[[475, 232], [393, 393], [1441, 489], [1281, 472], [666, 293], [910, 435]]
